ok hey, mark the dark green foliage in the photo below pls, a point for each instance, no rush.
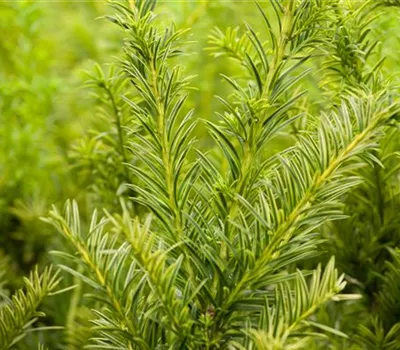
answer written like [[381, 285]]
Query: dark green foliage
[[19, 312]]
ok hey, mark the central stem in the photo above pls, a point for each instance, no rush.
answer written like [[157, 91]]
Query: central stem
[[166, 157]]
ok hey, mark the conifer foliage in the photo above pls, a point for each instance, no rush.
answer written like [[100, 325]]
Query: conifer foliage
[[251, 243]]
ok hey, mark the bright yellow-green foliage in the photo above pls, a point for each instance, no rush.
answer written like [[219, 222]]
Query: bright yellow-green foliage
[[230, 173]]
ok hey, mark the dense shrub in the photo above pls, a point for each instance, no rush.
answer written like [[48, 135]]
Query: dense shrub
[[262, 218]]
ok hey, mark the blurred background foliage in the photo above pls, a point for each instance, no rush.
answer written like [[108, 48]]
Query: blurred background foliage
[[50, 124], [43, 49]]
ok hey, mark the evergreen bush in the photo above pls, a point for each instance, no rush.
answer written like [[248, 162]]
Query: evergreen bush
[[274, 229]]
